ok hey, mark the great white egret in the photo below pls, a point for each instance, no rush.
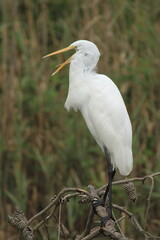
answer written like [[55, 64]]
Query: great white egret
[[102, 106]]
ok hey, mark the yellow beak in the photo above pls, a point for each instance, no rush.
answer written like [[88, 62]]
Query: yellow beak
[[60, 51]]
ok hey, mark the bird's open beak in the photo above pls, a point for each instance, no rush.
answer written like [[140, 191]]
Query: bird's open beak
[[60, 51]]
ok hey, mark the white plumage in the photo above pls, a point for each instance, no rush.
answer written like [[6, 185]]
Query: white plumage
[[101, 104]]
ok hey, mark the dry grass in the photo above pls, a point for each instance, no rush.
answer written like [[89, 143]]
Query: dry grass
[[44, 148]]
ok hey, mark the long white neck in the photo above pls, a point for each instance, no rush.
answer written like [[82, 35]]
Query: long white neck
[[77, 87], [76, 73], [81, 67]]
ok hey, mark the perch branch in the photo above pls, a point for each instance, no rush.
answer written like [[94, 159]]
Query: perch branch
[[19, 221], [101, 211]]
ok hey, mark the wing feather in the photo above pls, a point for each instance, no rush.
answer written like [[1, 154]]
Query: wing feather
[[107, 119]]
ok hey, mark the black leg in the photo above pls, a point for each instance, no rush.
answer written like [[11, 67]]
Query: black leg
[[111, 174], [108, 192]]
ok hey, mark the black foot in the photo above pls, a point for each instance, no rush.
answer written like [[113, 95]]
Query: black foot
[[105, 219], [97, 202]]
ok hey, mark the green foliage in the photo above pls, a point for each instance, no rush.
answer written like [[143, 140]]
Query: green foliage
[[43, 148]]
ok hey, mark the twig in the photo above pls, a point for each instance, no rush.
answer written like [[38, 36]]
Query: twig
[[116, 221], [115, 235], [88, 225], [59, 221], [46, 229], [148, 201], [63, 200], [46, 219], [136, 179], [134, 221], [69, 196], [101, 211], [120, 219], [56, 199], [95, 233], [20, 222]]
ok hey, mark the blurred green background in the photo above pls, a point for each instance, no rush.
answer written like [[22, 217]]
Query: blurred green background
[[43, 148]]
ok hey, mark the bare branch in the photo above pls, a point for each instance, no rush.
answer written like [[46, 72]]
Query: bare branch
[[20, 222], [88, 225], [148, 201], [46, 219], [55, 200], [102, 212], [136, 179], [134, 221], [94, 233]]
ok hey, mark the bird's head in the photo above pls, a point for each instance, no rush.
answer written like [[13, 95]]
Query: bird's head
[[87, 54]]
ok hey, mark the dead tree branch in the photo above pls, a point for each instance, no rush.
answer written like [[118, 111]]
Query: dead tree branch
[[20, 222]]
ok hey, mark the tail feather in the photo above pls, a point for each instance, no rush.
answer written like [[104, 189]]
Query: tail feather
[[123, 159]]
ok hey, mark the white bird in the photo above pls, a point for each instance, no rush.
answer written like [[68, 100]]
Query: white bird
[[98, 99]]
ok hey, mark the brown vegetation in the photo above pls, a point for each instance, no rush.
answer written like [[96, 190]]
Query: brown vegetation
[[43, 148]]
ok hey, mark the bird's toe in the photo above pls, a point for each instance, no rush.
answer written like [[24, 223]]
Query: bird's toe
[[97, 202]]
